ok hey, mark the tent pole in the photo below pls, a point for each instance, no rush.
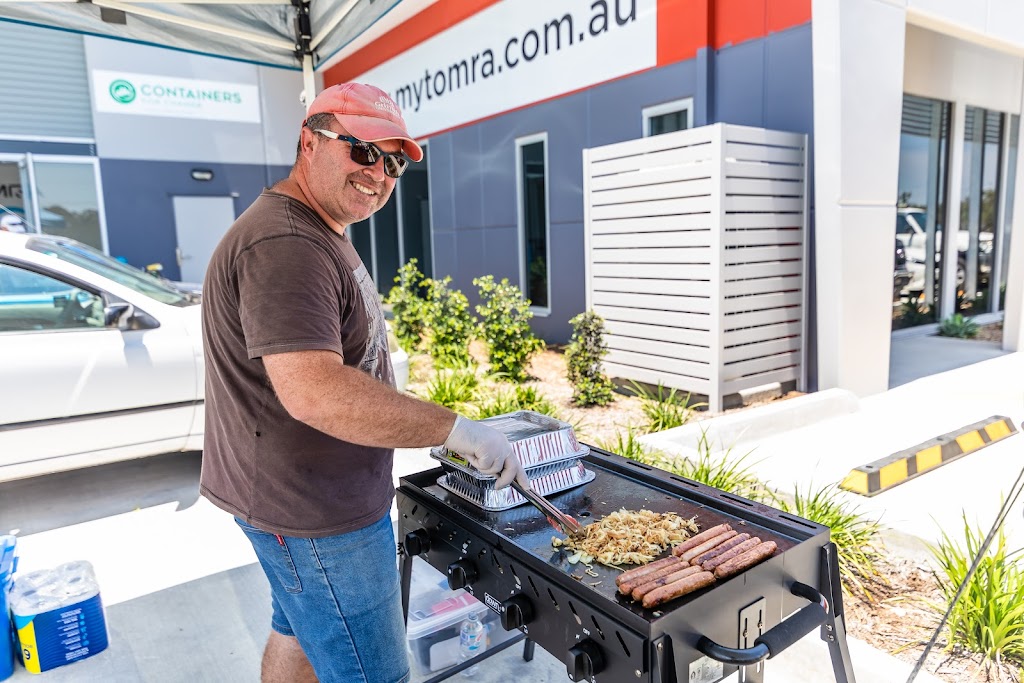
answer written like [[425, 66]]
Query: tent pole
[[308, 79]]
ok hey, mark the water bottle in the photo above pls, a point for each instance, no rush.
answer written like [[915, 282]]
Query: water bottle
[[472, 641]]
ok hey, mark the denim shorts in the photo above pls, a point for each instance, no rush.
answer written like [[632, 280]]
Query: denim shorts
[[340, 596]]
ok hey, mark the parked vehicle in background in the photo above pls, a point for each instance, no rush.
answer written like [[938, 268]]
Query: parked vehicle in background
[[99, 361], [912, 232]]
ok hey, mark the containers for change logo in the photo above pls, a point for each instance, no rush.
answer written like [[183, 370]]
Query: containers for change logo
[[122, 91]]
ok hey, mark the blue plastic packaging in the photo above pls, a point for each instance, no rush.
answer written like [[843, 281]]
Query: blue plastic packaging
[[8, 563]]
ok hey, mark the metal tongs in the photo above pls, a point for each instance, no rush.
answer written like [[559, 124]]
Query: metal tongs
[[557, 518]]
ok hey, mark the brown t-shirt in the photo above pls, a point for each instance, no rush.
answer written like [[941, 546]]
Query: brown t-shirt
[[282, 281]]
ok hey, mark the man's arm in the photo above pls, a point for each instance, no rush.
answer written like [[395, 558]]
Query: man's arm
[[318, 389]]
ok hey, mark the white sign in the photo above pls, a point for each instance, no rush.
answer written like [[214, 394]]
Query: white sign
[[516, 53], [118, 92]]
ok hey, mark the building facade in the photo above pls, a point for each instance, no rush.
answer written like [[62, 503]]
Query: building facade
[[912, 110], [143, 152]]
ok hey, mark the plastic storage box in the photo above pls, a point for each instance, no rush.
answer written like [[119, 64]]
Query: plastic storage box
[[436, 614]]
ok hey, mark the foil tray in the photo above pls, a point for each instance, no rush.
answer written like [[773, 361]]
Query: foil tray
[[536, 440], [503, 499], [474, 478]]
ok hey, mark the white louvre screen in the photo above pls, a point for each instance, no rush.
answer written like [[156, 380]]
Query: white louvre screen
[[696, 257]]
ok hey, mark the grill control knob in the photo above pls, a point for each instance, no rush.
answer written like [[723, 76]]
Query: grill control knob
[[584, 661], [417, 542], [461, 573], [517, 611]]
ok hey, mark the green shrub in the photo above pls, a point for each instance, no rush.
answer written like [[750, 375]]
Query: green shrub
[[449, 324], [505, 327], [663, 410], [957, 325], [502, 401], [583, 361], [629, 446], [722, 471], [408, 306], [452, 388], [989, 617], [856, 536]]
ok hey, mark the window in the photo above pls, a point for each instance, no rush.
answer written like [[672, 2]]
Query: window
[[924, 152], [1011, 182], [534, 264], [30, 301], [668, 117], [979, 209]]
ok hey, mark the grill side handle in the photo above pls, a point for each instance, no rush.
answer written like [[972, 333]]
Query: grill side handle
[[777, 638]]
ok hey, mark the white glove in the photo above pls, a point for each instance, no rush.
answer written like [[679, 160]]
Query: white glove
[[488, 450]]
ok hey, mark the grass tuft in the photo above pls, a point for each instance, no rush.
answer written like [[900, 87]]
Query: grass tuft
[[663, 409], [989, 617], [855, 534]]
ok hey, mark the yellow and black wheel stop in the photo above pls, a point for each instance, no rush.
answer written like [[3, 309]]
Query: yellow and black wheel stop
[[873, 478]]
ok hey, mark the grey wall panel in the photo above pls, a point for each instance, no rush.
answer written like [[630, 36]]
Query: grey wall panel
[[499, 242], [466, 178], [568, 295], [442, 192], [283, 113], [469, 262], [498, 175], [615, 108], [739, 84], [446, 257], [139, 206], [43, 83], [163, 138], [788, 103]]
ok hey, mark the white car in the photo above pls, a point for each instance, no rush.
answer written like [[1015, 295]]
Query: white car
[[911, 232], [99, 361]]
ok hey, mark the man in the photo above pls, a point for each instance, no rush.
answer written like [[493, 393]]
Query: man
[[301, 413]]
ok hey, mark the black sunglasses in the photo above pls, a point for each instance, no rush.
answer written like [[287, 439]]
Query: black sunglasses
[[367, 153]]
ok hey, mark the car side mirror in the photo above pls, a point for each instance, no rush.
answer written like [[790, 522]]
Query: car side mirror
[[118, 314]]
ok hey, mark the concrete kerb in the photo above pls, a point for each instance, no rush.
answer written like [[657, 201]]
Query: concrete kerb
[[747, 427]]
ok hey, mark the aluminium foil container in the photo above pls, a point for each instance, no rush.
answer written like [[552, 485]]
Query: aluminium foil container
[[536, 440], [488, 498]]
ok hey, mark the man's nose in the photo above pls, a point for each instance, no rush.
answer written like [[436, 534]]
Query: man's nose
[[376, 170]]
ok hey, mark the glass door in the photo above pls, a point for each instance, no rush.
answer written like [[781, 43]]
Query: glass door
[[924, 153], [979, 206]]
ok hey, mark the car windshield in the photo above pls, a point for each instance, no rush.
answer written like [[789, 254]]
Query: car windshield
[[96, 261]]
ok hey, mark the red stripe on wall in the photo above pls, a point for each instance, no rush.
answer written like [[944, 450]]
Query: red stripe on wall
[[783, 14], [422, 27], [682, 29], [737, 21]]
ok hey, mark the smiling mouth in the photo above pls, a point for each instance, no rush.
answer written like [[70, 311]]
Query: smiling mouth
[[362, 188]]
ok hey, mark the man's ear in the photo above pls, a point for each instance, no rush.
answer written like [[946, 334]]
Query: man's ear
[[306, 136]]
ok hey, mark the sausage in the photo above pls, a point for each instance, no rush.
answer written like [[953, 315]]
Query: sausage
[[636, 572], [762, 551], [719, 549], [694, 541], [707, 545], [640, 591], [678, 588], [626, 587], [709, 565]]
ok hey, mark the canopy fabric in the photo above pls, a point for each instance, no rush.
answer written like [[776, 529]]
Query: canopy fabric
[[258, 31]]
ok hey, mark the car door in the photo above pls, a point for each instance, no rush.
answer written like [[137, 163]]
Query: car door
[[74, 386]]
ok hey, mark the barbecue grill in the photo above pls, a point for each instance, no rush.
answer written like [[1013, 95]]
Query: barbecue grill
[[506, 560]]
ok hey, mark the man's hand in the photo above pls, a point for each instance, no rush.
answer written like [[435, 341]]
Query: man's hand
[[487, 450]]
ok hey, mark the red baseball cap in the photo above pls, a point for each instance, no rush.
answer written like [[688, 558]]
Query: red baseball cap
[[367, 113]]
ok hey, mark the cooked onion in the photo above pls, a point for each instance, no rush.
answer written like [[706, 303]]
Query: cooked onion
[[629, 537]]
